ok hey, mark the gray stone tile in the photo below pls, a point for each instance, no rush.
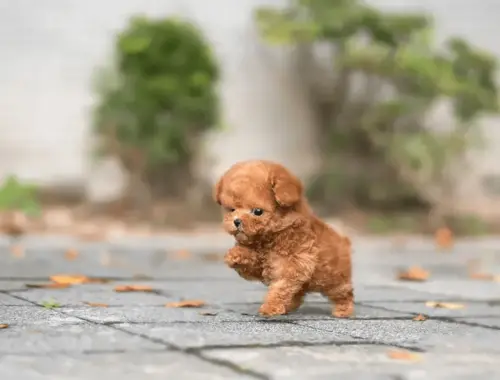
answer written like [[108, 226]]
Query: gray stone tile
[[357, 362], [236, 334], [64, 338], [318, 310], [430, 334], [6, 300], [214, 292], [493, 322], [365, 293], [147, 314], [114, 366], [8, 286], [477, 309], [78, 294], [459, 289], [27, 315], [46, 262]]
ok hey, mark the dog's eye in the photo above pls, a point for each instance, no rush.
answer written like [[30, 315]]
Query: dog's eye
[[257, 211], [229, 209]]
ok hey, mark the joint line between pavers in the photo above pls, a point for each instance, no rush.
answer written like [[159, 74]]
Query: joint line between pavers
[[336, 343]]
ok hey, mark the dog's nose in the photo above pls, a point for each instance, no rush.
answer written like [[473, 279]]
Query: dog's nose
[[237, 222]]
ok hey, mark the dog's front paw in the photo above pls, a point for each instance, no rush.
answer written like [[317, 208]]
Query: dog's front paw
[[269, 310], [232, 260]]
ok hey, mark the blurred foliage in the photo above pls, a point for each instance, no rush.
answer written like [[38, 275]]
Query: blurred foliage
[[18, 196], [379, 149], [157, 99]]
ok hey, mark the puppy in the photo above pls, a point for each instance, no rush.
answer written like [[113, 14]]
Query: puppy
[[280, 242]]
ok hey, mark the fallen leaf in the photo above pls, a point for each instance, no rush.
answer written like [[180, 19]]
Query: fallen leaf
[[208, 313], [183, 254], [77, 279], [51, 304], [96, 304], [133, 288], [414, 274], [3, 325], [482, 276], [71, 254], [69, 279], [52, 285], [17, 251], [444, 238], [420, 318], [404, 355], [212, 257], [444, 305], [186, 303]]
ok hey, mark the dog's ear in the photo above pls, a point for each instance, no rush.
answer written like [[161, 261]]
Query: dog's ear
[[286, 187], [217, 191]]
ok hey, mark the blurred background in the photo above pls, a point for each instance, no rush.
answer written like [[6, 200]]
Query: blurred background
[[117, 116]]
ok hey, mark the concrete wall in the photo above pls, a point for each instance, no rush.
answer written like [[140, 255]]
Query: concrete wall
[[50, 49]]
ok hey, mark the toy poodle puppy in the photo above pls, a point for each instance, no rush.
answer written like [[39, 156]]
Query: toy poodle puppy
[[280, 242]]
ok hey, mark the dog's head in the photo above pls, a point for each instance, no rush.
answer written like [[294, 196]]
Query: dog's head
[[259, 198]]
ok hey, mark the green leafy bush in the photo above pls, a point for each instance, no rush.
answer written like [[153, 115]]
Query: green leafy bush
[[18, 196], [379, 131], [157, 99]]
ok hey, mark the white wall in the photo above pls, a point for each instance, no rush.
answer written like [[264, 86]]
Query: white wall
[[49, 49]]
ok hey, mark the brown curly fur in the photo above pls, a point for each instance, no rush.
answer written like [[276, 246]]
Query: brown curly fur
[[287, 247]]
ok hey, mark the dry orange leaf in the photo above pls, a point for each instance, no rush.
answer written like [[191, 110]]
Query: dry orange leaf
[[444, 238], [482, 276], [71, 254], [3, 325], [414, 274], [96, 304], [17, 251], [69, 279], [52, 285], [133, 288], [444, 305], [76, 279], [186, 303], [420, 318], [404, 355]]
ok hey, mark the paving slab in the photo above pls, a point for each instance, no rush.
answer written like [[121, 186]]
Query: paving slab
[[29, 314], [230, 334], [74, 338], [114, 366], [357, 362], [57, 334], [429, 334], [77, 295], [458, 308]]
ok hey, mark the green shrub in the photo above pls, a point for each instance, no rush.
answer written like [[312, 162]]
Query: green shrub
[[157, 99], [18, 196], [392, 156]]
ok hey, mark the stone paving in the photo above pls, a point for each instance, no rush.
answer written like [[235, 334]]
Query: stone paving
[[54, 334]]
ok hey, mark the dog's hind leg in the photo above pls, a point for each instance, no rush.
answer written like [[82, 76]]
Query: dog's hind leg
[[297, 301], [342, 298]]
